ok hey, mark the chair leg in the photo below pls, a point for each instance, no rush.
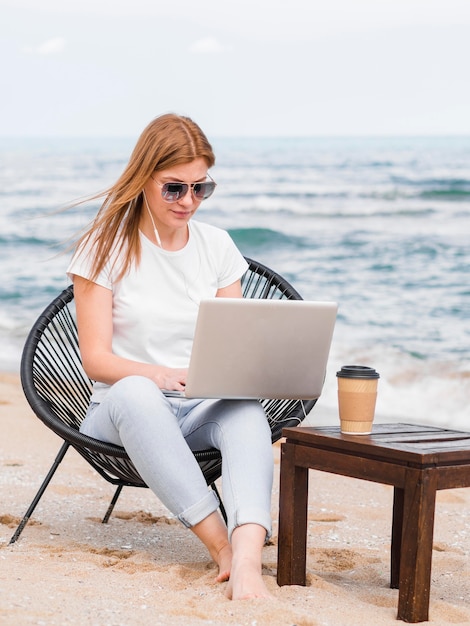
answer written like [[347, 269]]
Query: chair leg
[[117, 493], [221, 505], [42, 489]]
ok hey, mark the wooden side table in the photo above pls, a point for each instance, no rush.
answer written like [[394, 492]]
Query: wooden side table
[[416, 460]]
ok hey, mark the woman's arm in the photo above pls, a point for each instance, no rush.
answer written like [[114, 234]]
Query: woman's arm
[[95, 331], [231, 291]]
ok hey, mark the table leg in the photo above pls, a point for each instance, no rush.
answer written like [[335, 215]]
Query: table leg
[[416, 544], [292, 534], [397, 533]]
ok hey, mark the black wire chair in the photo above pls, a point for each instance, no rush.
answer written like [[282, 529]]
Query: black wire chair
[[58, 391]]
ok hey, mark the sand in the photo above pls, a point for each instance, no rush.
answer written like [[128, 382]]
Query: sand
[[144, 568]]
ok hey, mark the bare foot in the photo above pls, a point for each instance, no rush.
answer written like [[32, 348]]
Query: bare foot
[[246, 582]]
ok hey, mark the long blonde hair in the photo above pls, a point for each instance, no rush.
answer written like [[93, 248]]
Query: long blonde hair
[[167, 141]]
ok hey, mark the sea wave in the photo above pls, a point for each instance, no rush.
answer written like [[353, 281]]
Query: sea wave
[[258, 238], [446, 194], [17, 240], [410, 389]]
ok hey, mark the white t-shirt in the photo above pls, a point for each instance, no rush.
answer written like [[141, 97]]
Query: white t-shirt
[[155, 304]]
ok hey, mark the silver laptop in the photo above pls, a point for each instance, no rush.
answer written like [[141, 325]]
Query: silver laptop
[[250, 348]]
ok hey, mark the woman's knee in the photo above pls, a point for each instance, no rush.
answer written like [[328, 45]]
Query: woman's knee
[[246, 416], [134, 389], [137, 398], [253, 410]]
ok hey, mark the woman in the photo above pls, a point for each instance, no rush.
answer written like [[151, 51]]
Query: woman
[[139, 273]]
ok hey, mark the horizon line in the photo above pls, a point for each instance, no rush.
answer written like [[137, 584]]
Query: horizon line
[[255, 136]]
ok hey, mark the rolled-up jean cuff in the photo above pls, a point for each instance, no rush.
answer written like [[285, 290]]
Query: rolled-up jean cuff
[[252, 516], [200, 510]]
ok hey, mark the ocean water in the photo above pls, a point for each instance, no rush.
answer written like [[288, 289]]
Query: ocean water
[[381, 225]]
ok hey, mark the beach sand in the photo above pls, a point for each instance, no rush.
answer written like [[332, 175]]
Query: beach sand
[[145, 568]]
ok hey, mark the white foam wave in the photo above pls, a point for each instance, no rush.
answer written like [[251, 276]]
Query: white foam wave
[[410, 390]]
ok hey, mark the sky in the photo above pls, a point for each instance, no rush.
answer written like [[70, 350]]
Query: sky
[[238, 68]]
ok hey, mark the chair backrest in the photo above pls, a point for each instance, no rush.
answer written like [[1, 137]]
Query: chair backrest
[[58, 389]]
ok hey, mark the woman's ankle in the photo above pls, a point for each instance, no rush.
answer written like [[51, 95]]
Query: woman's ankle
[[213, 534], [223, 559], [246, 580]]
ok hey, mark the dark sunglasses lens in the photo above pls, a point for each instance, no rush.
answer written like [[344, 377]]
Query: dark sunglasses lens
[[172, 192], [203, 190]]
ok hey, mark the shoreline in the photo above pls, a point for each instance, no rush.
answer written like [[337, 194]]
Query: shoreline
[[145, 568]]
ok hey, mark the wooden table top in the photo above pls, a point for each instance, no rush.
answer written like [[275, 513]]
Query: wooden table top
[[402, 443]]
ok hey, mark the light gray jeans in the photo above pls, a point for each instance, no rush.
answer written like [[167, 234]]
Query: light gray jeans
[[160, 433]]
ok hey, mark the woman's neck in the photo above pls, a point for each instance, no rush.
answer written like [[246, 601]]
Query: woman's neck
[[167, 239], [164, 238]]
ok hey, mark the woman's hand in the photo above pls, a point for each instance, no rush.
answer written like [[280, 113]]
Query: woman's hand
[[171, 379]]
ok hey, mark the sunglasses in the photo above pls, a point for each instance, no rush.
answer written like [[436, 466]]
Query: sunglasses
[[172, 192]]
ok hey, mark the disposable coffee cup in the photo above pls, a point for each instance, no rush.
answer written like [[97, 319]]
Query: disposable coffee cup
[[357, 395]]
